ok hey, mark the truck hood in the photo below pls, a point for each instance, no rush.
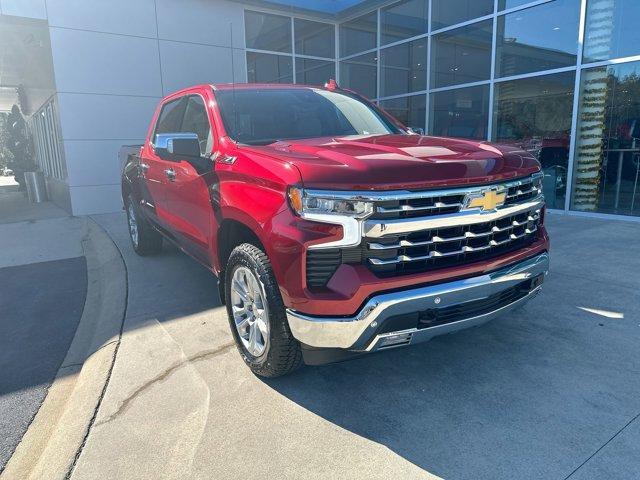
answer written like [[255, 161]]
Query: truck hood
[[385, 162]]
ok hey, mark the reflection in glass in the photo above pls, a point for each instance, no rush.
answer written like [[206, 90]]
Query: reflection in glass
[[410, 111], [462, 55], [359, 34], [403, 20], [538, 38], [611, 29], [403, 68], [606, 175], [360, 74], [535, 115], [450, 12], [463, 112], [267, 68], [315, 38], [314, 72], [264, 31]]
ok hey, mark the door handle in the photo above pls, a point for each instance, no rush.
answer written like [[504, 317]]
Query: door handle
[[171, 174]]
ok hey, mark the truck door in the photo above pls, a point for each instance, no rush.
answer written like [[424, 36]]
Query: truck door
[[155, 170], [188, 196]]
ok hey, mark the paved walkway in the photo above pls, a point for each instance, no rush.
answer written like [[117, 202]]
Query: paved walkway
[[43, 282], [552, 391]]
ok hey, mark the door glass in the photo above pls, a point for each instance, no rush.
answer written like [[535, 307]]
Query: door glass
[[170, 117], [196, 121]]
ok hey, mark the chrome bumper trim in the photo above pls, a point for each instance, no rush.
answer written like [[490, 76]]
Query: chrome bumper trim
[[358, 332], [381, 228]]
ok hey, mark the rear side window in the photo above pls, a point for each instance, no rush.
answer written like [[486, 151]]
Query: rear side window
[[170, 118], [196, 121]]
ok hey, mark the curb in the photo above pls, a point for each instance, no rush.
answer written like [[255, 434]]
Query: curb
[[54, 439]]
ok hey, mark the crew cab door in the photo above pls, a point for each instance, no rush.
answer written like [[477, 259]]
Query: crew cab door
[[188, 199], [154, 170]]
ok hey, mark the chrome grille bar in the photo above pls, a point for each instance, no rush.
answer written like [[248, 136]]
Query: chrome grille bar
[[409, 208], [437, 239], [465, 249], [382, 228]]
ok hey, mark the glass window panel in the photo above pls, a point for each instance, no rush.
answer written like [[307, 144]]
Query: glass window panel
[[266, 68], [196, 121], [410, 111], [504, 4], [315, 38], [450, 12], [403, 68], [360, 74], [359, 34], [462, 55], [314, 72], [535, 115], [606, 175], [463, 112], [611, 29], [264, 31], [403, 20], [538, 38]]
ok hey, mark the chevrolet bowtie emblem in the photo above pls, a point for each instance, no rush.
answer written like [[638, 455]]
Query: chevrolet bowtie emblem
[[486, 200]]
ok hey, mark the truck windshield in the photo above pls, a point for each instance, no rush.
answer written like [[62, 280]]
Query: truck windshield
[[263, 116]]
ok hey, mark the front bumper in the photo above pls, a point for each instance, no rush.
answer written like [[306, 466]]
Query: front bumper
[[477, 299]]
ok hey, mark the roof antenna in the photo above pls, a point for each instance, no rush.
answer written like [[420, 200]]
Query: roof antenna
[[233, 85]]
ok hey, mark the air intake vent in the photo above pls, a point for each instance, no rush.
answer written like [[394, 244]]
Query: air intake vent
[[321, 265]]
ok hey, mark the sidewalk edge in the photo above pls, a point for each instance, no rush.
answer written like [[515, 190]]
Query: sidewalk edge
[[55, 437]]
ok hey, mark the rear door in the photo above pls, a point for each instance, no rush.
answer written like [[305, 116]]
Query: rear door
[[155, 170], [188, 196]]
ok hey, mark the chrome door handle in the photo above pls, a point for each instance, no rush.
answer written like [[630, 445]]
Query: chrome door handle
[[171, 174]]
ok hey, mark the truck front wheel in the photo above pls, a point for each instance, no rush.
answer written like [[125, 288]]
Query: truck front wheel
[[257, 315]]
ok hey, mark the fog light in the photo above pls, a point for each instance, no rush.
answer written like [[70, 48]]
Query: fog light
[[395, 340]]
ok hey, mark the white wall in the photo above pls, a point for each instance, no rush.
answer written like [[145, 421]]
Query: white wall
[[113, 60]]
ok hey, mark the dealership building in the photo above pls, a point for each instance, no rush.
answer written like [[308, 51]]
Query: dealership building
[[559, 78]]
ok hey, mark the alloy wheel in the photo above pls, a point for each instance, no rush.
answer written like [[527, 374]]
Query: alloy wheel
[[250, 311]]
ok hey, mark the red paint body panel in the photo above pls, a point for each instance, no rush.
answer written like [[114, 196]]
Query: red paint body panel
[[252, 190]]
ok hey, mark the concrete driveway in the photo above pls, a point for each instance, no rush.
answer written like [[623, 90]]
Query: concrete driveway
[[552, 391]]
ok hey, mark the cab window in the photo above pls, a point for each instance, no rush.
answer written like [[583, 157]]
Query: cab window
[[196, 121], [170, 118]]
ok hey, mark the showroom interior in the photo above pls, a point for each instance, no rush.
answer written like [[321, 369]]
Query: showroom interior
[[557, 78]]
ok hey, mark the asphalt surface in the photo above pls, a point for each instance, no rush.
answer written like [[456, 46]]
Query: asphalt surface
[[549, 391], [40, 306]]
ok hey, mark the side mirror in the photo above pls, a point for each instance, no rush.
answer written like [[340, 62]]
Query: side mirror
[[416, 130], [177, 146]]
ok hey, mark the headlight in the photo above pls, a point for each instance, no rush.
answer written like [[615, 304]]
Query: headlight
[[309, 203]]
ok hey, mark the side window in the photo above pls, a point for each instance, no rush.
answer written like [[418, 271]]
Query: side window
[[170, 117], [196, 121]]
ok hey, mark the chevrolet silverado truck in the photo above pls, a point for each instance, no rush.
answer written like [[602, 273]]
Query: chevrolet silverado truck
[[333, 229]]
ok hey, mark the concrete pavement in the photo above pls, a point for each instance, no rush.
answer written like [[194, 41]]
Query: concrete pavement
[[62, 299], [551, 391]]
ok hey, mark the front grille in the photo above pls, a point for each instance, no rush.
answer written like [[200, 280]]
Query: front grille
[[450, 246], [413, 232]]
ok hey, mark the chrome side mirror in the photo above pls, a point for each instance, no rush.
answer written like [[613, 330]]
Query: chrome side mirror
[[177, 146]]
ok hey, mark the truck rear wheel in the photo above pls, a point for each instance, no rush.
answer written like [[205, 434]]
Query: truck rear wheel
[[257, 315], [144, 238]]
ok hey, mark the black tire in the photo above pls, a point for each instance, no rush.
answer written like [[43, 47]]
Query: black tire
[[282, 354], [149, 240]]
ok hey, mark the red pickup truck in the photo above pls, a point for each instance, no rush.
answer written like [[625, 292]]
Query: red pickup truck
[[333, 229]]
